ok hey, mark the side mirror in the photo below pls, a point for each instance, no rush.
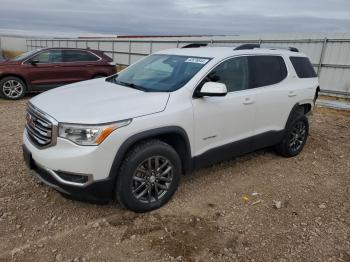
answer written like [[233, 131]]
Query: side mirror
[[34, 61], [213, 89]]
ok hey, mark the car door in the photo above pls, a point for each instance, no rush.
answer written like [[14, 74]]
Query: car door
[[273, 93], [225, 122], [79, 64], [44, 70]]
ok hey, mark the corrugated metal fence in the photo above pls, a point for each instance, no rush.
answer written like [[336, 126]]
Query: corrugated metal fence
[[330, 56]]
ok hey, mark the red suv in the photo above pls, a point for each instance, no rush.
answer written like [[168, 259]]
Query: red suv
[[43, 69]]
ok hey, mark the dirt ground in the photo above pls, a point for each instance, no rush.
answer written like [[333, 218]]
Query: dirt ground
[[222, 213]]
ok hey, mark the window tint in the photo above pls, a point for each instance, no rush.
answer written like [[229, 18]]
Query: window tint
[[303, 67], [79, 56], [267, 70], [233, 73], [51, 56]]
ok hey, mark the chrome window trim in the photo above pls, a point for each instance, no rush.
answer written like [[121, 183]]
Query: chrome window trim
[[69, 49]]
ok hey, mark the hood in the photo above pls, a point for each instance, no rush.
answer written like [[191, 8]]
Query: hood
[[97, 101]]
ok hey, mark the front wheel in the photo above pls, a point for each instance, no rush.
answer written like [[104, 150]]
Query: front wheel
[[295, 137], [12, 88], [149, 176]]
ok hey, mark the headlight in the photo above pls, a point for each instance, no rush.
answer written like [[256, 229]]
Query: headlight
[[89, 135]]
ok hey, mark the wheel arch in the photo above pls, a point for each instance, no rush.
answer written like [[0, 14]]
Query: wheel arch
[[299, 108], [173, 135], [28, 87]]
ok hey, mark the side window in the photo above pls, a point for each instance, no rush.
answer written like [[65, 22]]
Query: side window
[[303, 67], [79, 56], [234, 73], [267, 70], [51, 56]]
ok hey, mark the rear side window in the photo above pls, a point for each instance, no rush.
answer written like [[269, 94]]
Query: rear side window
[[303, 67], [78, 56], [266, 70]]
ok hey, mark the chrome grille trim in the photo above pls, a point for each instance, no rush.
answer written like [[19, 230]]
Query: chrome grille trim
[[41, 128]]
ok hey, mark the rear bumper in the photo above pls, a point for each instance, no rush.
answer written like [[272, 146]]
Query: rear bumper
[[100, 191]]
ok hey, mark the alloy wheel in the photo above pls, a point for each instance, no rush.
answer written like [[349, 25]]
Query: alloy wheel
[[12, 89], [297, 136], [151, 179]]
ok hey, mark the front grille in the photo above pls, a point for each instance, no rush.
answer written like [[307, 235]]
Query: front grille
[[41, 128]]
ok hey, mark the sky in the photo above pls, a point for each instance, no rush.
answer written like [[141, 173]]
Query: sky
[[172, 17]]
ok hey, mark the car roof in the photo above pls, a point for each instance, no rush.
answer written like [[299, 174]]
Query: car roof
[[222, 52], [68, 48]]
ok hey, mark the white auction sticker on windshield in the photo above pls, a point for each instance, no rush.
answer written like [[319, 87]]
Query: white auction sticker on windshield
[[196, 60]]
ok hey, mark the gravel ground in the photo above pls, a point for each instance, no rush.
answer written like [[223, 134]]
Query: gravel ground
[[221, 213]]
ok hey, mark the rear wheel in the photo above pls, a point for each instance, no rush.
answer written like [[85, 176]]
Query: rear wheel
[[12, 88], [295, 137], [149, 176]]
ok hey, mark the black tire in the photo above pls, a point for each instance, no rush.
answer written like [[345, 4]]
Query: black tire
[[295, 136], [136, 176], [12, 88]]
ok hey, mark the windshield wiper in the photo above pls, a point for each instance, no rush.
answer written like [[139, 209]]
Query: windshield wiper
[[113, 79], [132, 85]]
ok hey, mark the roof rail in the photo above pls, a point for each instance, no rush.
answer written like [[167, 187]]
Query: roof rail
[[253, 46], [293, 49], [195, 45], [247, 46]]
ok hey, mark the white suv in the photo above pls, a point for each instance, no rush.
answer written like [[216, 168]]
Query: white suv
[[130, 136]]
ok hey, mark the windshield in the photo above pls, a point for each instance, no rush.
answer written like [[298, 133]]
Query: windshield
[[160, 73], [25, 55]]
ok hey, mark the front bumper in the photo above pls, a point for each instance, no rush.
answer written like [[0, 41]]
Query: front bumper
[[100, 191], [68, 157]]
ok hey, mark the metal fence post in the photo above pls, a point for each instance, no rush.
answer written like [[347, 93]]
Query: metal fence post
[[323, 50], [129, 61], [113, 54], [150, 47]]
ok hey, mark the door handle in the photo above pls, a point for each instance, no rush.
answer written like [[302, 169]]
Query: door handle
[[291, 94], [248, 101]]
